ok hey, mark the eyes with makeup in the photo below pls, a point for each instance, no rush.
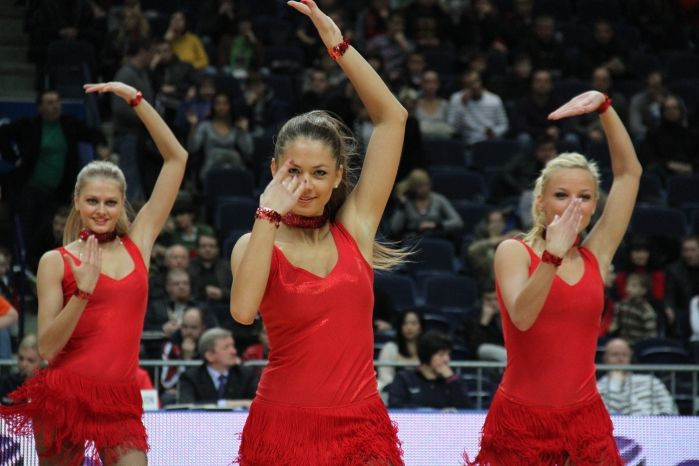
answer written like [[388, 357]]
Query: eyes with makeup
[[94, 201], [318, 173], [563, 195]]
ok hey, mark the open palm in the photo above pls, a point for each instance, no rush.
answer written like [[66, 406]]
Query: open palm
[[579, 105]]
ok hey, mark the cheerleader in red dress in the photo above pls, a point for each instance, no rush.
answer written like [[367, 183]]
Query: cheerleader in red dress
[[92, 301], [308, 266], [547, 410]]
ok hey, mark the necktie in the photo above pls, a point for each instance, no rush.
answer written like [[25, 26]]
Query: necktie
[[222, 380]]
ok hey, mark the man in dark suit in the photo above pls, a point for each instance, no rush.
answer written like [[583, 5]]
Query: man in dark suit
[[221, 379]]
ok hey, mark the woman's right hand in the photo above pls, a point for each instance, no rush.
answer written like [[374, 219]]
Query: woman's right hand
[[563, 231], [87, 273], [282, 193], [329, 33]]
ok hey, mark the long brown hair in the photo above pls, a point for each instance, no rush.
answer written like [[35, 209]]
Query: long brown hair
[[321, 126], [96, 169]]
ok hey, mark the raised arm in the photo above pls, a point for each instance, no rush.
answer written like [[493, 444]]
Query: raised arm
[[364, 207], [150, 220], [56, 321], [606, 235]]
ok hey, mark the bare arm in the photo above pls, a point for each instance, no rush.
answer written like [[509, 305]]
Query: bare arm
[[251, 257], [57, 322], [152, 217], [364, 207], [605, 237]]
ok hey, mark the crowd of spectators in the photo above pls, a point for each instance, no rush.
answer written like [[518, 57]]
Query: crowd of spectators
[[478, 77]]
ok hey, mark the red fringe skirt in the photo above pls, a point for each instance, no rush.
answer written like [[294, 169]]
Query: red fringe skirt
[[351, 435], [67, 410], [515, 434]]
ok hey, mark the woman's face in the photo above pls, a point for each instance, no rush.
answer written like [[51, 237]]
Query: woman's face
[[313, 163], [411, 328], [222, 107], [639, 257], [178, 22], [100, 204], [565, 185]]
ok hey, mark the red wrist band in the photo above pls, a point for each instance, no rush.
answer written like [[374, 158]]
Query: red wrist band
[[340, 49], [137, 99], [80, 294], [549, 258], [604, 105], [265, 213]]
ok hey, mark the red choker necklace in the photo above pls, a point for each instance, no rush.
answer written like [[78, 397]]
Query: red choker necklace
[[299, 221], [101, 237]]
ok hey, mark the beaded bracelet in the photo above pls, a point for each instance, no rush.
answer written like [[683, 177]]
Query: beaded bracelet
[[340, 49], [604, 105], [136, 99], [549, 258], [80, 294], [265, 213]]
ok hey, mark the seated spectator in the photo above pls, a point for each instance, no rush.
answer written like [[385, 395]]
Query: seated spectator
[[431, 109], [49, 236], [196, 108], [634, 318], [433, 384], [28, 362], [489, 234], [176, 257], [181, 346], [187, 230], [694, 326], [605, 50], [640, 261], [267, 110], [645, 106], [393, 46], [241, 52], [590, 126], [630, 394], [173, 80], [132, 26], [476, 113], [517, 81], [8, 317], [544, 46], [428, 24], [413, 153], [530, 117], [318, 91], [521, 171], [221, 378], [409, 327], [224, 139], [415, 66], [216, 18], [166, 314], [672, 148], [422, 211], [681, 284], [186, 45], [483, 332], [211, 275]]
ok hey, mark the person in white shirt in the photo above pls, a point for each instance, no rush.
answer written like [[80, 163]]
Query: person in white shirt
[[476, 113], [630, 394]]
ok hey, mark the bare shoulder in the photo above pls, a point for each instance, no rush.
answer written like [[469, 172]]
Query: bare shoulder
[[51, 265], [511, 254], [240, 246]]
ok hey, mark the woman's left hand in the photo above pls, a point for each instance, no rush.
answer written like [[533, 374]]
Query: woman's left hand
[[579, 105], [124, 91], [328, 30]]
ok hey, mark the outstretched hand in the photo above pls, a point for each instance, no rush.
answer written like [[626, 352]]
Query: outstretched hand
[[284, 191], [124, 91], [563, 230], [330, 34], [87, 273], [579, 105]]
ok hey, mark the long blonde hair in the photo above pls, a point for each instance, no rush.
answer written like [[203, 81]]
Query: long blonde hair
[[321, 126], [563, 161], [96, 169]]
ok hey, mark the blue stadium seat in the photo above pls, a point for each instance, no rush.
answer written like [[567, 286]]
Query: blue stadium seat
[[682, 189], [471, 213], [493, 153], [287, 59], [643, 63], [682, 65], [437, 322], [661, 351], [230, 240], [444, 152], [400, 288], [234, 214], [226, 182], [450, 291], [650, 220], [271, 30], [442, 60], [599, 152], [566, 89], [460, 185], [432, 255]]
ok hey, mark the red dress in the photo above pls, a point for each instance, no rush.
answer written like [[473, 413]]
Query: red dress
[[317, 401], [547, 406], [90, 391]]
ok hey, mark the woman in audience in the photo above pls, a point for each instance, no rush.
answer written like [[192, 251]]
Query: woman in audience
[[547, 409], [92, 302], [307, 266], [409, 328]]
